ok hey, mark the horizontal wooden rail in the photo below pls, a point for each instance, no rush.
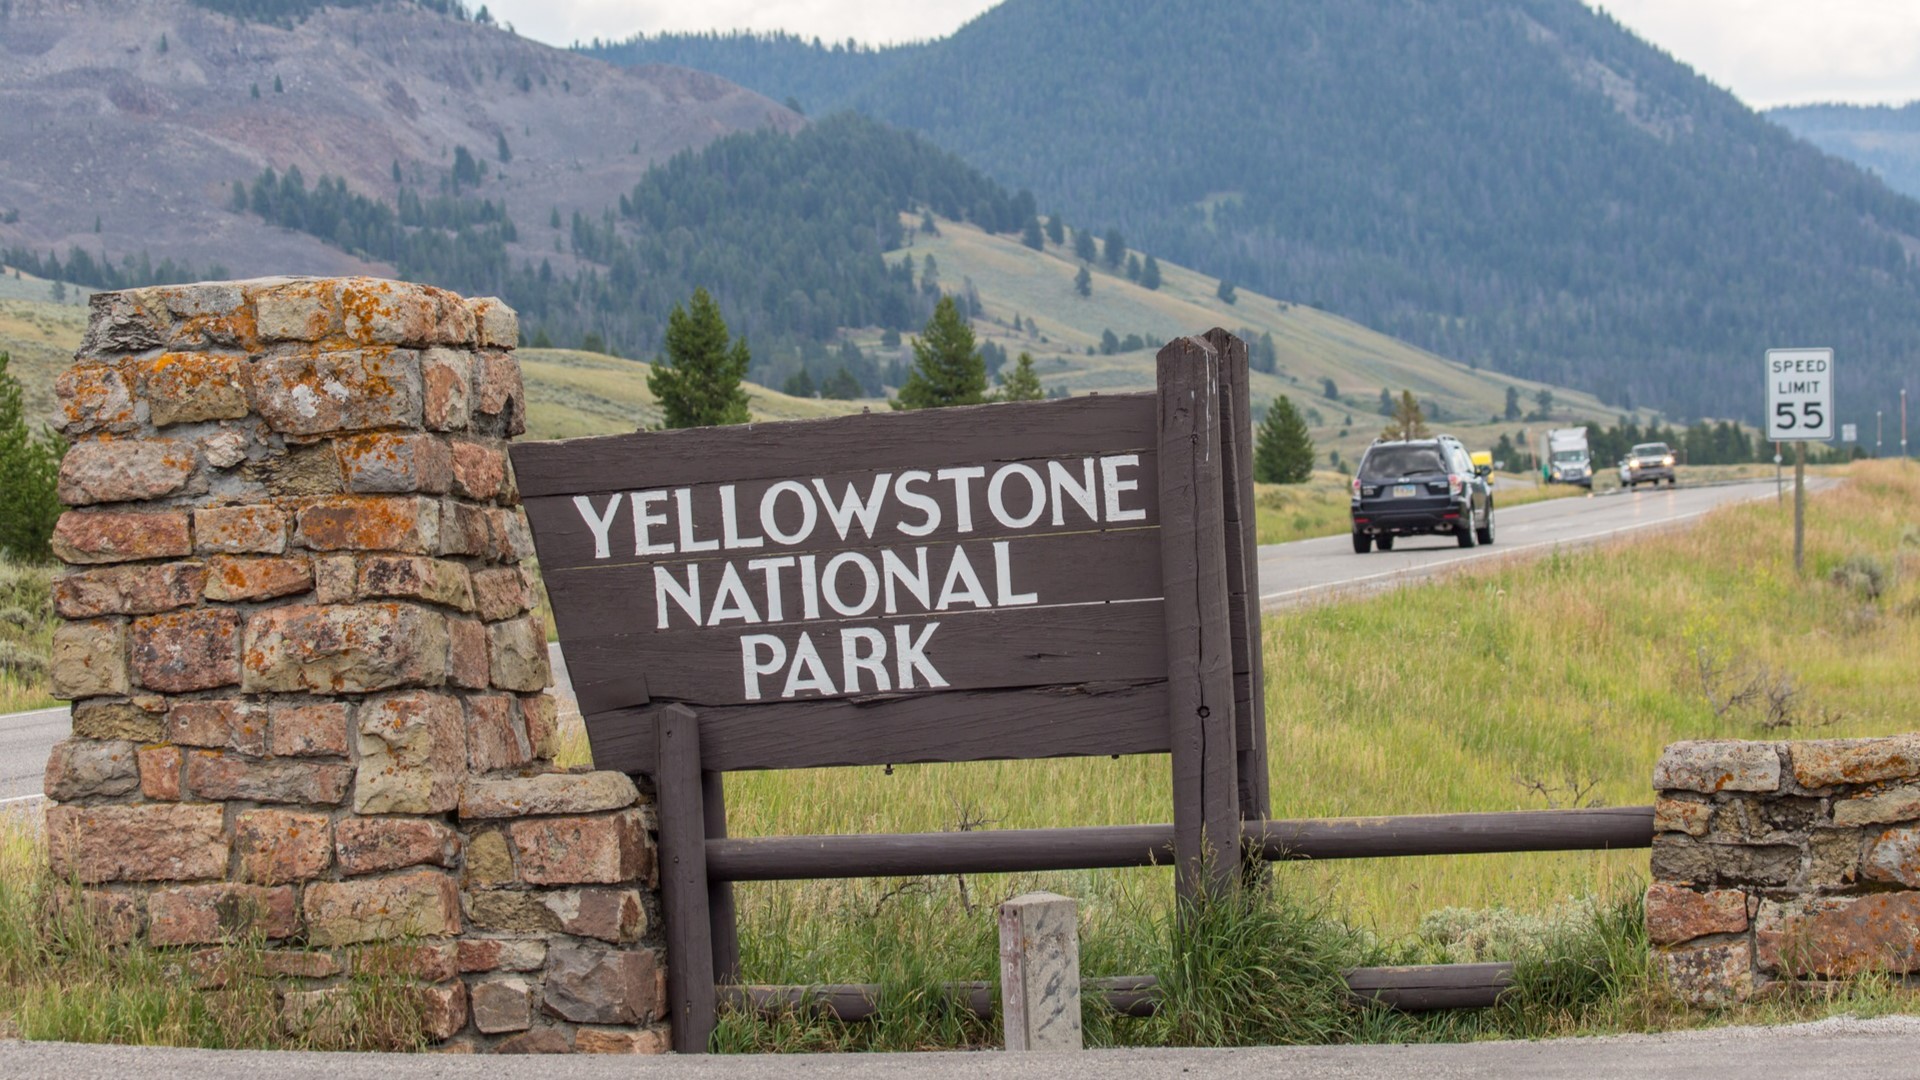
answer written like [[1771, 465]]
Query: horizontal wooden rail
[[787, 858], [1409, 989]]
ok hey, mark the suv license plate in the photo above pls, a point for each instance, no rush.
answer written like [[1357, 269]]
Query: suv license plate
[[1403, 491]]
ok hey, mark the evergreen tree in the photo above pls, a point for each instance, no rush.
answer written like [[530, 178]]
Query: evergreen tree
[[1056, 231], [1023, 384], [1266, 355], [1330, 388], [1032, 236], [698, 380], [1084, 247], [1115, 249], [503, 152], [255, 92], [1109, 343], [842, 386], [1225, 291], [278, 86], [1386, 402], [29, 477], [1133, 267], [1150, 274], [1083, 283], [1408, 421], [799, 384], [1283, 453], [947, 368], [1513, 403]]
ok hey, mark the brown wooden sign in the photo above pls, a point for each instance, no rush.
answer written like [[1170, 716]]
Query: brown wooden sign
[[1026, 580]]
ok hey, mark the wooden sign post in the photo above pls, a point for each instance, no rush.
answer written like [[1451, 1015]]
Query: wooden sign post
[[1007, 581]]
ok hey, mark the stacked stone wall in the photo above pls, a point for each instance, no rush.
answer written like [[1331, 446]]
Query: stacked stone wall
[[308, 681], [1776, 863]]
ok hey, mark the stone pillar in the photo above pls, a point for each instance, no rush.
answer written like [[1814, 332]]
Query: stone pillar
[[1040, 972], [1784, 861], [309, 688]]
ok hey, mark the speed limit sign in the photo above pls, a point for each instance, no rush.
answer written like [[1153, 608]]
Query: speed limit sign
[[1799, 395]]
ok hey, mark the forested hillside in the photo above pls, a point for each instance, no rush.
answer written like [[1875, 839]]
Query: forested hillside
[[1520, 183], [1880, 138]]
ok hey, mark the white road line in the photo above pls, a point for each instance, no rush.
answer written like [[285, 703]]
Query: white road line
[[1406, 570]]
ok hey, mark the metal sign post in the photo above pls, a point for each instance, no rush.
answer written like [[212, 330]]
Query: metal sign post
[[1799, 410]]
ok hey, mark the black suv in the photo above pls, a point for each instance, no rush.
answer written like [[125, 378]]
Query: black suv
[[1419, 487]]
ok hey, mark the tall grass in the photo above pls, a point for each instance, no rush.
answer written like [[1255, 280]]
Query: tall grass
[[26, 634]]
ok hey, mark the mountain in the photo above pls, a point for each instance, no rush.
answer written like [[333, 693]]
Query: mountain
[[1883, 139], [126, 123], [1520, 183]]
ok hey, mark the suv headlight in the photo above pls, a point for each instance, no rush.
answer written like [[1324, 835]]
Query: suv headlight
[[1668, 460]]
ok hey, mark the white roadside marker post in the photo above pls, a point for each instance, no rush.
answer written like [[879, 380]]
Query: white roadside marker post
[[1040, 972]]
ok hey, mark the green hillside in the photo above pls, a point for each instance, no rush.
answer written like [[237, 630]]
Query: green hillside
[[1521, 182]]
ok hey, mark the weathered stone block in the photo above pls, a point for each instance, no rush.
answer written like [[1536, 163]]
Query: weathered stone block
[[187, 650], [225, 448], [1774, 819], [517, 653], [479, 470], [495, 736], [581, 850], [346, 648], [94, 398], [335, 579], [82, 769], [1893, 856], [446, 378], [216, 775], [501, 1005], [468, 665], [415, 577], [206, 914], [217, 967], [502, 954], [351, 390], [1708, 975], [130, 720], [369, 845], [240, 530], [89, 659], [298, 471], [465, 530], [1834, 858], [1718, 765], [160, 769], [510, 911], [402, 313], [158, 842], [1826, 762], [413, 754], [317, 730], [1839, 936], [119, 918], [105, 536], [1676, 914], [128, 590], [304, 310], [125, 470], [370, 523], [502, 592], [275, 847], [1755, 864], [224, 723], [231, 578], [542, 1040], [1899, 803], [541, 712], [613, 915], [387, 462], [554, 793], [435, 962], [121, 322], [419, 903], [1682, 861], [601, 986], [498, 395], [1681, 815], [186, 388], [591, 1040], [489, 861], [496, 326]]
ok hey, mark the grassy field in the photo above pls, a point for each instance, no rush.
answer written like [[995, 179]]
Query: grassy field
[[26, 635], [1554, 683]]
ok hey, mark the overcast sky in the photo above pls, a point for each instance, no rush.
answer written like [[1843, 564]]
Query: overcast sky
[[1770, 52]]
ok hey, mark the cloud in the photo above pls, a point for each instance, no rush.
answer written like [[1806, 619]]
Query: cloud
[[560, 22]]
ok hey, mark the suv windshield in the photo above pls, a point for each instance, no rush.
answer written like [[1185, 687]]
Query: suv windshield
[[1653, 449], [1393, 462]]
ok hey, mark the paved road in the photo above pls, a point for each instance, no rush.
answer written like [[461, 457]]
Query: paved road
[[1311, 569], [1289, 574], [1880, 1049]]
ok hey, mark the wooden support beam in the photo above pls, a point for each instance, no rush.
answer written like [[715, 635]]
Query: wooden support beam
[[723, 924], [1243, 577], [683, 881]]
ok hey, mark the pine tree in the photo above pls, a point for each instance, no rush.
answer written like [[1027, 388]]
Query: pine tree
[[1115, 249], [1023, 383], [841, 386], [947, 368], [1330, 388], [1225, 291], [1032, 236], [1150, 274], [278, 86], [1133, 267], [799, 384], [1408, 421], [697, 381], [1513, 403], [29, 477], [1386, 402], [503, 152], [1083, 283], [1084, 247], [1283, 453], [1056, 230]]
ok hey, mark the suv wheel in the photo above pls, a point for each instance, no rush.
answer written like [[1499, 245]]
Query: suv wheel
[[1385, 542], [1362, 543], [1464, 533], [1485, 533]]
